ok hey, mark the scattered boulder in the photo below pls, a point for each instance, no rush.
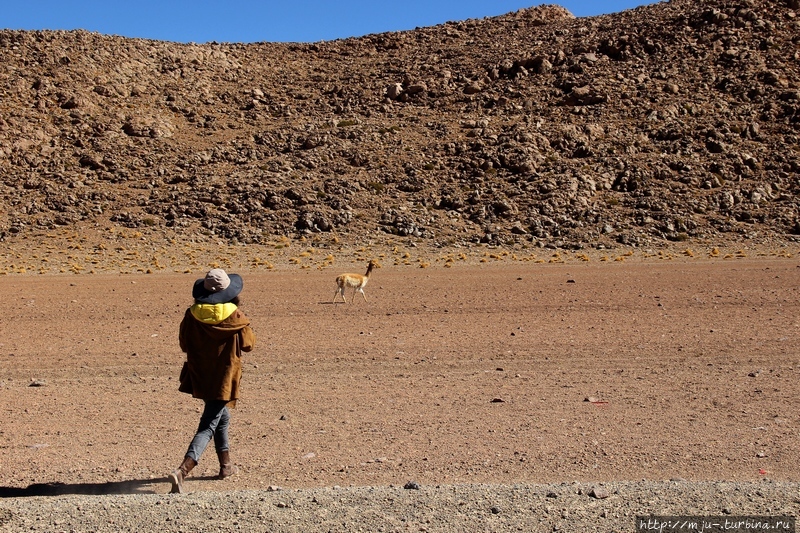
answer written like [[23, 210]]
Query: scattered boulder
[[599, 493], [534, 127], [580, 96], [394, 91], [153, 127]]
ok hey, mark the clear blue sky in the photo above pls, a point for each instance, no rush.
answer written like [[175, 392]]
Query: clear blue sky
[[249, 21]]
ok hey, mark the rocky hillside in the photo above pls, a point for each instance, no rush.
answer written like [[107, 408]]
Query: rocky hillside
[[678, 121]]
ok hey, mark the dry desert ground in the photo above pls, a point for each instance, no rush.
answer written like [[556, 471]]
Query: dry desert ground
[[481, 374]]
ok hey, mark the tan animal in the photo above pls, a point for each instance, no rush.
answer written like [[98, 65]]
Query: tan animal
[[356, 281]]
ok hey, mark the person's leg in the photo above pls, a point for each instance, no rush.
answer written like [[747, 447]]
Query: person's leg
[[221, 433], [222, 445], [214, 411], [207, 427]]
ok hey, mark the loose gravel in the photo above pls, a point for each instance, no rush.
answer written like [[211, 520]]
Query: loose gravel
[[601, 507]]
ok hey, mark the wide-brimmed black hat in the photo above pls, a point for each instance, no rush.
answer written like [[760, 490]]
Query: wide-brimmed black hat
[[217, 287]]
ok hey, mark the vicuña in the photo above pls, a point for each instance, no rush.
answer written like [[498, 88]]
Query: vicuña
[[356, 281]]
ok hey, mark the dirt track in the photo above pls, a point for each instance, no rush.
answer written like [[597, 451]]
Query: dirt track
[[472, 374]]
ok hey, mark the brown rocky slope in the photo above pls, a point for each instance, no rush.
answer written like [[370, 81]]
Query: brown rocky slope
[[675, 122]]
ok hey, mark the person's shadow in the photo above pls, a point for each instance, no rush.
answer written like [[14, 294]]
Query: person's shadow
[[136, 486]]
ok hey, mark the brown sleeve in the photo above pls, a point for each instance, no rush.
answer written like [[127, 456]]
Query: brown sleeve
[[248, 339]]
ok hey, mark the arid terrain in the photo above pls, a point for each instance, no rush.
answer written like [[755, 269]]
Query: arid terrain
[[587, 306], [675, 122], [468, 374], [485, 373]]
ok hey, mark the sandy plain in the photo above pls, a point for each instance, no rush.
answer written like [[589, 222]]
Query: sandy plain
[[474, 374]]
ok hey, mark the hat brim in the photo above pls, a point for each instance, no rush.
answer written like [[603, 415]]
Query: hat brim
[[203, 295]]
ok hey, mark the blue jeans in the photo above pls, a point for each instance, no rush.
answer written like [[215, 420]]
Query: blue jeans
[[213, 423]]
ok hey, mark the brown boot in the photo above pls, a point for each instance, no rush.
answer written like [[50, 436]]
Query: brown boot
[[178, 475], [226, 467]]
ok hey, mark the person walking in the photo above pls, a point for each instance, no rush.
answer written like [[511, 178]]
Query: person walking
[[213, 333]]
